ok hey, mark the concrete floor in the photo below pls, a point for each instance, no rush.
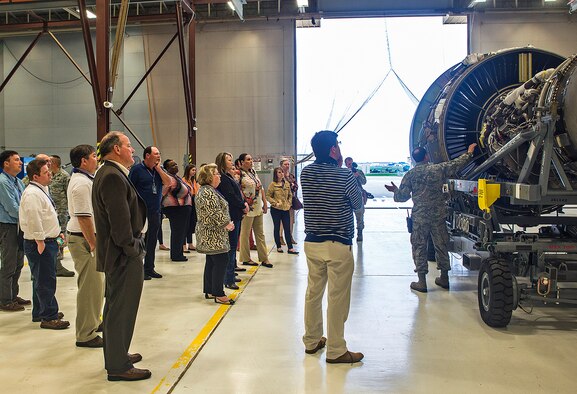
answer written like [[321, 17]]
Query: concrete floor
[[413, 343]]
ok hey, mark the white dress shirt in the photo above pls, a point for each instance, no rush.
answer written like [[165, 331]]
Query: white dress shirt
[[38, 217]]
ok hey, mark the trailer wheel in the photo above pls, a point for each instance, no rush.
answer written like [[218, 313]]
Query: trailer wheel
[[495, 293]]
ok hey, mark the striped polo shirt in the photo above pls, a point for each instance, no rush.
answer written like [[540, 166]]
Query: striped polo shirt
[[330, 194]]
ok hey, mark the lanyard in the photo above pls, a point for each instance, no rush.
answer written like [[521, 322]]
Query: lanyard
[[79, 171], [152, 175], [46, 194]]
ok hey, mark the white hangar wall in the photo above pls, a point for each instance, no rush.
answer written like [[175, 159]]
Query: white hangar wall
[[553, 32], [245, 92]]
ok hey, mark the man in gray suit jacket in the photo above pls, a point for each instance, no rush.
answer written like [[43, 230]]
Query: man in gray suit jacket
[[120, 217]]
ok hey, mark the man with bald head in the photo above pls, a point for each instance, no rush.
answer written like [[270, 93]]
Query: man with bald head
[[148, 178], [120, 220]]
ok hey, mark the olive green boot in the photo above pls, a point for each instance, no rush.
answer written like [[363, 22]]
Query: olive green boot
[[443, 280], [421, 285]]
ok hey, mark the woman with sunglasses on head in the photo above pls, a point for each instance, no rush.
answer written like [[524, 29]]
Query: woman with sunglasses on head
[[252, 190]]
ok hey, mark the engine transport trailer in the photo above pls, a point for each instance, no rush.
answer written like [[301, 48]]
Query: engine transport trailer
[[509, 213]]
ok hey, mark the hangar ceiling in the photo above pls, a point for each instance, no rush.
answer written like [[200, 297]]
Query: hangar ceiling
[[20, 16]]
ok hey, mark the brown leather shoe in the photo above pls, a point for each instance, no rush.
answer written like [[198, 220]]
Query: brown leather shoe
[[131, 375], [55, 324], [346, 358], [134, 358], [94, 342], [11, 307], [21, 301], [319, 346]]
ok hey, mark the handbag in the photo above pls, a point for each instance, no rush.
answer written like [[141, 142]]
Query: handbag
[[296, 203]]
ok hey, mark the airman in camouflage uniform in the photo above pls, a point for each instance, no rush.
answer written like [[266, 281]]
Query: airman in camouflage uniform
[[424, 183], [58, 187]]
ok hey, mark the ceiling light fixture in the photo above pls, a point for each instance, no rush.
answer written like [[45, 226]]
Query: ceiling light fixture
[[236, 6], [76, 13]]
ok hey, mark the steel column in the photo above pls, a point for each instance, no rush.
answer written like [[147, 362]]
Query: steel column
[[147, 72], [98, 103], [185, 79], [103, 64], [19, 62], [192, 78]]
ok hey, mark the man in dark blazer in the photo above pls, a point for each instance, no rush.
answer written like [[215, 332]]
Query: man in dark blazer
[[120, 217]]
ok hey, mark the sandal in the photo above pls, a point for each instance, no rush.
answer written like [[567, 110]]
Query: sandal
[[267, 265], [293, 252], [279, 250]]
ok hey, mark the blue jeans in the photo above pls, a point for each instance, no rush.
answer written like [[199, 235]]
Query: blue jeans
[[233, 239], [43, 268]]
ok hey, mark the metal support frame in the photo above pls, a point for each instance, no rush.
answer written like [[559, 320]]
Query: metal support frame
[[513, 144], [91, 62], [103, 64], [147, 73], [119, 39], [184, 69], [192, 78], [19, 62], [116, 113]]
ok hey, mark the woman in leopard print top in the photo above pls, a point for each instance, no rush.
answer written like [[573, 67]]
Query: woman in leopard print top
[[212, 232]]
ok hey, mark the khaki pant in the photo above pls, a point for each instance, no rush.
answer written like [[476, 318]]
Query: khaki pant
[[331, 262], [90, 295], [256, 223]]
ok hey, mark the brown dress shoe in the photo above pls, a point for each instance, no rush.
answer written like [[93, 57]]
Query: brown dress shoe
[[21, 301], [55, 324], [346, 358], [134, 358], [94, 342], [130, 375], [11, 307], [319, 346]]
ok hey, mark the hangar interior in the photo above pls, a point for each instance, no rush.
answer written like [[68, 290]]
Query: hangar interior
[[244, 99]]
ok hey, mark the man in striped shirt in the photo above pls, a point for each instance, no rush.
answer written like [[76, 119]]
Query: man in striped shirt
[[330, 194]]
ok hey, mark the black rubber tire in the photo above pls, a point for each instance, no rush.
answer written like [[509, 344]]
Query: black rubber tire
[[495, 293]]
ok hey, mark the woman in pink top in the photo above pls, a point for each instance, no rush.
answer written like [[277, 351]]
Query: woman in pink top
[[176, 206]]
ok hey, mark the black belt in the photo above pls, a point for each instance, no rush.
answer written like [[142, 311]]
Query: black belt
[[77, 234], [50, 239]]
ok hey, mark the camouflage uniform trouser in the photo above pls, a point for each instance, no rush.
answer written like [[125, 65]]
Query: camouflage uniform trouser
[[419, 240]]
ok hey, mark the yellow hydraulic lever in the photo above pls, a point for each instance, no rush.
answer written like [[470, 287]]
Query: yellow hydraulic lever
[[487, 194]]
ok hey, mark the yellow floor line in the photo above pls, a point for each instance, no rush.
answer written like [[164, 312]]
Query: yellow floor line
[[179, 368]]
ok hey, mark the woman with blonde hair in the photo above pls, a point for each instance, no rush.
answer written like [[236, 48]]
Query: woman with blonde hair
[[212, 232]]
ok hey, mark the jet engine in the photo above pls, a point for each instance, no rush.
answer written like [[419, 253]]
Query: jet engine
[[505, 214]]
